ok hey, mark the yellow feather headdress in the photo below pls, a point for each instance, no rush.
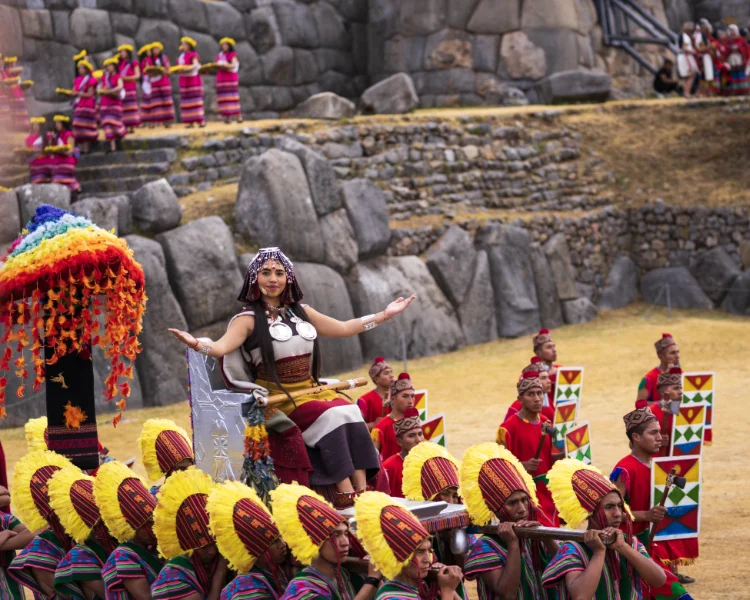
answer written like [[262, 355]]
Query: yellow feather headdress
[[81, 55], [85, 63], [388, 531], [109, 478], [235, 506], [188, 40], [9, 60], [35, 428], [112, 60], [183, 498], [62, 118], [143, 49], [428, 467], [37, 121], [150, 455], [158, 45], [227, 40], [30, 470], [474, 497], [77, 521], [127, 47]]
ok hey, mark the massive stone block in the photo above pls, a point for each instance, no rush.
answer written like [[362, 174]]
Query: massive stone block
[[684, 291], [100, 211], [11, 34], [715, 272], [10, 218], [30, 197], [341, 245], [225, 20], [451, 262], [495, 16], [263, 29], [326, 105], [542, 13], [580, 310], [53, 69], [550, 309], [365, 204], [577, 85], [476, 313], [155, 9], [91, 29], [558, 255], [737, 300], [622, 284], [36, 24], [190, 14], [155, 207], [296, 24], [166, 32], [391, 96], [522, 59]]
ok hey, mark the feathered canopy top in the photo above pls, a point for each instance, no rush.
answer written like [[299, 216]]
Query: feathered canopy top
[[123, 499], [304, 519], [180, 518], [390, 533], [489, 475], [163, 445], [36, 434], [30, 491], [72, 498], [243, 526], [428, 470]]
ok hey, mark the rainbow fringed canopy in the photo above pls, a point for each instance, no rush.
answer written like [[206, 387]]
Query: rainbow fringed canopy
[[58, 277]]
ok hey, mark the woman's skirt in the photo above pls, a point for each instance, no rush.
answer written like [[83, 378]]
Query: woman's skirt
[[191, 99], [161, 109], [41, 169], [64, 172], [84, 124], [110, 117], [738, 84], [131, 116], [228, 96]]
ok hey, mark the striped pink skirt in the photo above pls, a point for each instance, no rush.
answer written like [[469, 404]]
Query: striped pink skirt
[[191, 99], [228, 97], [41, 169], [84, 124], [131, 116], [64, 172], [161, 108], [110, 118]]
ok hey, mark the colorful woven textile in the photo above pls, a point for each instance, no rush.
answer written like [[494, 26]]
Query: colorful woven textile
[[84, 562], [128, 561], [44, 553], [311, 584], [256, 585]]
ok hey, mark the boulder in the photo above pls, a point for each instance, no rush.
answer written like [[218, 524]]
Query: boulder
[[275, 208], [325, 105], [544, 14], [100, 211], [30, 197], [580, 310], [324, 186], [155, 9], [495, 16], [123, 23], [262, 29], [451, 262], [737, 300], [124, 214], [326, 292], [225, 20], [622, 284], [36, 24], [365, 204], [341, 246], [91, 29], [189, 14], [495, 93], [393, 95], [10, 217], [166, 32], [678, 284], [296, 24], [550, 309], [51, 70], [11, 32], [521, 57], [577, 85], [476, 313], [202, 267], [557, 253], [715, 272], [161, 365], [516, 302], [278, 66], [155, 207], [430, 324]]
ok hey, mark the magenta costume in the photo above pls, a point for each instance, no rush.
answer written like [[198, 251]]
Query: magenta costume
[[228, 86], [131, 116], [191, 90]]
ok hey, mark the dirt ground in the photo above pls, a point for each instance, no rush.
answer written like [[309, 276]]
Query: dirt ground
[[474, 386]]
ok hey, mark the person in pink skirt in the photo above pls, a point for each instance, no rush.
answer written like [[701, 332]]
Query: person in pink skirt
[[143, 56], [130, 71], [111, 93], [161, 109], [65, 157], [40, 163], [84, 106], [16, 99], [191, 84], [228, 81]]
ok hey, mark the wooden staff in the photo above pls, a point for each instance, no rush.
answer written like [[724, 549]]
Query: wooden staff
[[349, 384], [545, 432], [361, 567], [548, 533], [668, 484]]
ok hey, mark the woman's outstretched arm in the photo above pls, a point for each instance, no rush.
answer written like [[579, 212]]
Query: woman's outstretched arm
[[330, 327], [239, 330]]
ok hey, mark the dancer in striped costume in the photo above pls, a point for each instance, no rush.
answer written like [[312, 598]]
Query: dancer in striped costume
[[65, 155], [111, 92], [16, 99], [165, 449], [191, 84], [161, 109], [79, 574], [13, 536], [127, 509], [143, 58], [228, 81], [35, 566], [84, 106], [40, 164], [130, 71]]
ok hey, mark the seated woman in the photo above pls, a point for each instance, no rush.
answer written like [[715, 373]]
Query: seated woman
[[281, 350]]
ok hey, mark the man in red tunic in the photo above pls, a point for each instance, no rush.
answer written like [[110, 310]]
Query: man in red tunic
[[408, 434], [402, 398], [546, 351], [669, 356], [669, 388], [374, 404], [522, 434], [548, 410], [632, 476]]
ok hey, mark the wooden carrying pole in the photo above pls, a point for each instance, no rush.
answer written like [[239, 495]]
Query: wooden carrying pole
[[548, 533], [667, 486], [349, 384]]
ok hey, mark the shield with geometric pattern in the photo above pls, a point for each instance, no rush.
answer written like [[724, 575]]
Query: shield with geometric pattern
[[420, 403], [688, 428], [700, 388], [578, 443], [565, 419], [568, 384], [434, 430], [683, 517]]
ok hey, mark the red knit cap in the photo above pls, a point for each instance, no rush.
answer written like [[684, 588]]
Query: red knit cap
[[402, 383], [533, 364], [408, 422], [665, 342], [541, 338], [378, 366], [671, 377], [529, 380]]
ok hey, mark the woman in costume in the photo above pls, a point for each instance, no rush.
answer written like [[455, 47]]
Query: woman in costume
[[165, 449], [228, 81], [161, 109], [40, 164], [145, 114], [65, 155], [127, 508], [13, 536], [738, 54], [111, 92], [35, 566], [194, 569], [281, 349], [687, 66], [16, 99], [247, 536], [79, 574], [84, 106], [320, 539], [585, 498], [191, 84], [130, 72]]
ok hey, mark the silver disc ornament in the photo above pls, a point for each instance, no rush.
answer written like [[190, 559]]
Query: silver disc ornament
[[280, 331], [307, 330]]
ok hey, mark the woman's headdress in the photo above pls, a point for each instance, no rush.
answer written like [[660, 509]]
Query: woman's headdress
[[123, 499], [72, 498], [250, 289], [428, 470], [163, 444]]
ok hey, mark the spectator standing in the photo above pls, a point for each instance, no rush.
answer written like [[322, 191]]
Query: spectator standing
[[161, 109], [191, 84], [130, 72], [112, 92], [228, 81], [687, 66], [738, 53]]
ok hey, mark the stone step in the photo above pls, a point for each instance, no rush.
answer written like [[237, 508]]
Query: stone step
[[98, 187], [121, 171], [96, 159]]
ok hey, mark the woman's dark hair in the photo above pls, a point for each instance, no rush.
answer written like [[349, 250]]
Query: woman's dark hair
[[261, 338], [231, 46], [128, 59]]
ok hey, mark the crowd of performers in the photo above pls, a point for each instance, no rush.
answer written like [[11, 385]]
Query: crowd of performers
[[106, 534]]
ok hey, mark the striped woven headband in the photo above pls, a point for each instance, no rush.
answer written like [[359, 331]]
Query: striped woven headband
[[665, 342], [192, 523], [171, 448], [317, 518], [82, 498], [498, 479], [590, 487], [39, 485], [529, 380], [253, 527], [402, 531], [672, 377], [438, 474], [136, 502]]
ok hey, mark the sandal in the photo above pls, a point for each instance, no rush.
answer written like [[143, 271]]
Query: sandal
[[684, 579]]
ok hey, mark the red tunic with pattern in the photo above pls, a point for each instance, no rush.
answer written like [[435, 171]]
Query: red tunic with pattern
[[385, 435], [649, 381], [394, 466], [371, 405], [548, 412]]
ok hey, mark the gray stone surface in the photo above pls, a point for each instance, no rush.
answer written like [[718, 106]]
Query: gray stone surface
[[155, 9], [61, 26], [278, 66], [684, 291], [577, 85], [161, 366], [225, 20], [522, 59], [326, 292], [558, 255], [451, 261], [10, 217], [91, 29], [580, 310], [123, 23], [393, 95], [30, 197], [274, 206], [365, 204], [622, 284], [476, 313], [51, 70], [100, 211], [262, 29], [36, 24], [164, 31], [10, 31], [550, 309], [296, 23], [251, 70], [495, 16], [124, 214], [737, 300], [341, 246], [325, 105], [155, 207], [715, 272], [202, 267], [430, 324], [516, 303], [190, 14]]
